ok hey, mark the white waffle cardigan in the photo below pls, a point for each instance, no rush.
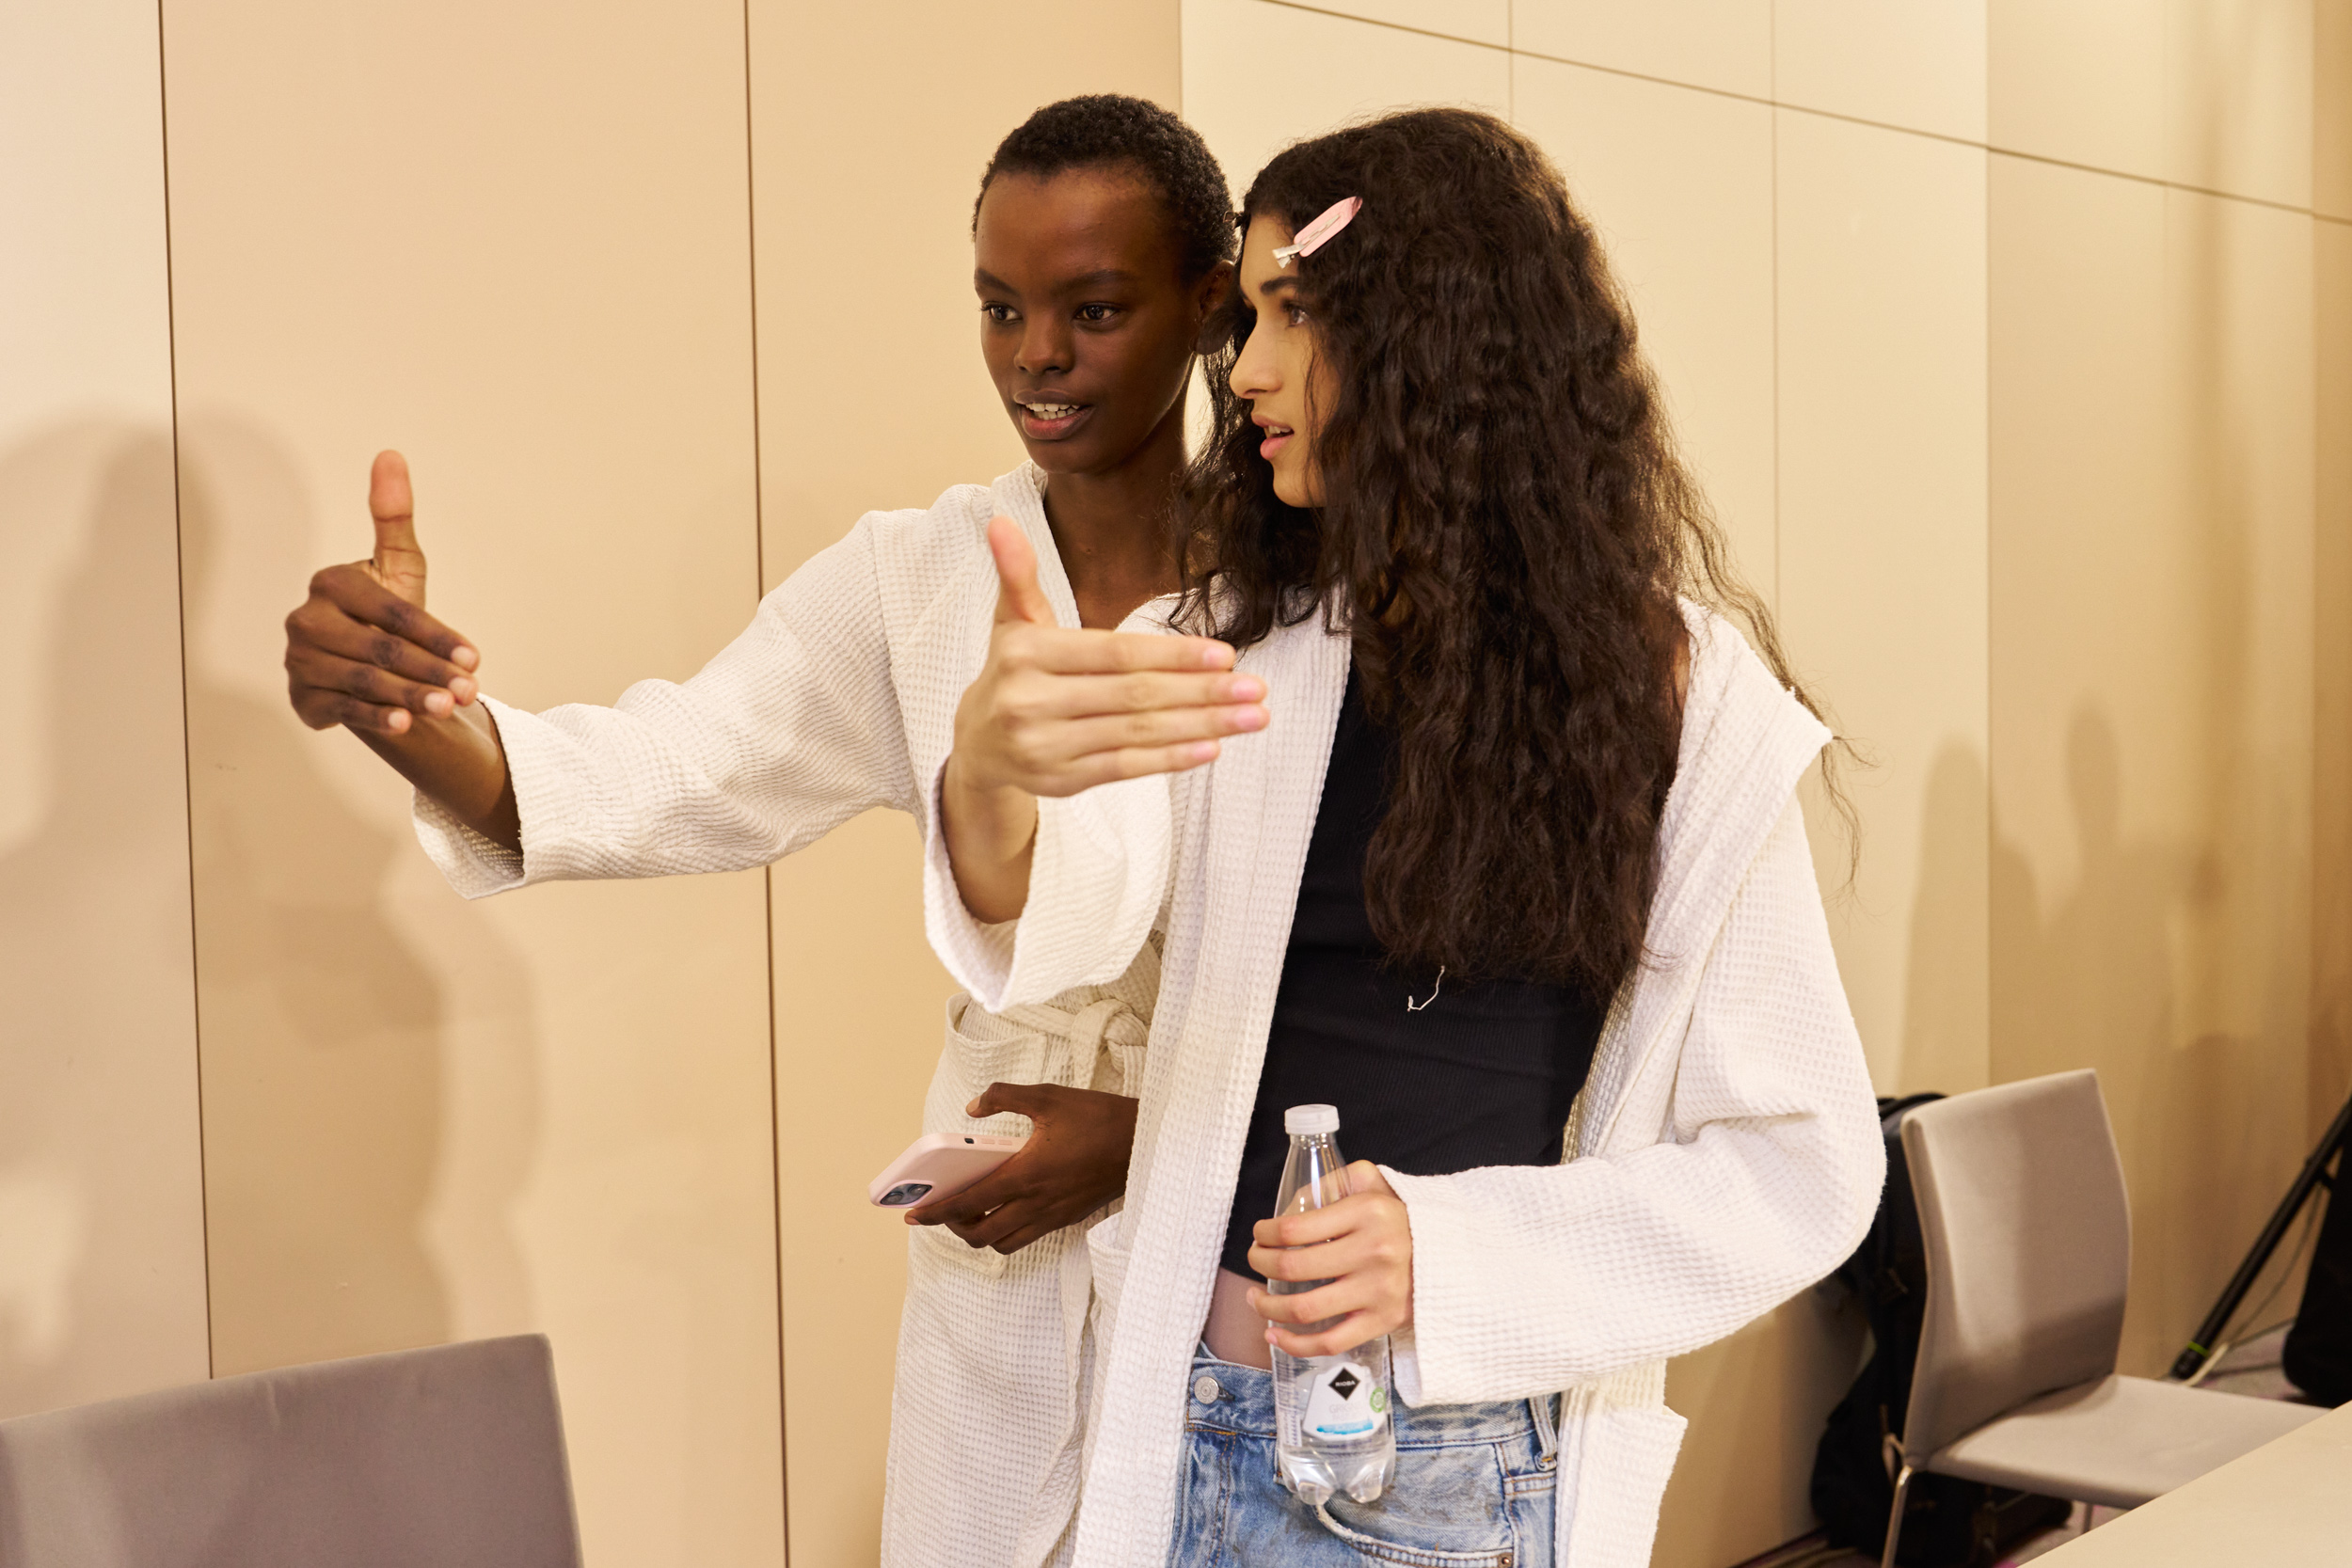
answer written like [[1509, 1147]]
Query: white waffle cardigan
[[1724, 1153], [840, 696]]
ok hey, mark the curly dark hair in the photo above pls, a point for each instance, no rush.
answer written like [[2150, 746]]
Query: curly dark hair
[[1504, 535], [1106, 128]]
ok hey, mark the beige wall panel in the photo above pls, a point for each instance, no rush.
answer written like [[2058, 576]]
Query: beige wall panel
[[2332, 108], [2152, 558], [1922, 66], [2212, 93], [2331, 663], [1258, 76], [1479, 20], [2238, 97], [513, 243], [1756, 1403], [1723, 44], [872, 394], [1882, 412], [1680, 185], [101, 1222], [2082, 82]]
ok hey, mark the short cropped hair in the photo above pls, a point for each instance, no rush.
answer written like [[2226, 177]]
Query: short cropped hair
[[1108, 129]]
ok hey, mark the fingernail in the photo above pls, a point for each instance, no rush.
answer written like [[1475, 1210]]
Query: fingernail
[[464, 657], [1244, 689], [1218, 656], [1204, 750], [463, 689], [1250, 719], [398, 722], [438, 703]]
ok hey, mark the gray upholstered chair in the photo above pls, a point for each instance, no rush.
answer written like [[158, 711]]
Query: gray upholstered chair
[[2028, 1241], [451, 1457]]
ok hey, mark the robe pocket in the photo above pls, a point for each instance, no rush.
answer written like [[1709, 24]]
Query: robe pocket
[[1107, 1256], [985, 1048], [1625, 1456], [935, 1251]]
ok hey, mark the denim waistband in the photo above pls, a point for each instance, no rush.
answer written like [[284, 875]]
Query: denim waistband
[[1229, 1397]]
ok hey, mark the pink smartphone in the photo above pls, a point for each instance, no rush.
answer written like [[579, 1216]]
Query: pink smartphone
[[938, 1164]]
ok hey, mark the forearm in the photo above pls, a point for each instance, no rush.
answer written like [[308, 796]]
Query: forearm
[[1528, 1278], [458, 761], [992, 840]]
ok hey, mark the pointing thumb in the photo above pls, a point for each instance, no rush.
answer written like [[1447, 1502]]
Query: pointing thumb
[[1018, 596], [399, 562]]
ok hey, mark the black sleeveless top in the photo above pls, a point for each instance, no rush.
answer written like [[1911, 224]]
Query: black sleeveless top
[[1475, 1075]]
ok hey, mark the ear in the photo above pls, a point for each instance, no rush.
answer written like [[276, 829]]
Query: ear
[[1212, 302], [1215, 286]]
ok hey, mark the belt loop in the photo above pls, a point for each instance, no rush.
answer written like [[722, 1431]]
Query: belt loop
[[1545, 1408]]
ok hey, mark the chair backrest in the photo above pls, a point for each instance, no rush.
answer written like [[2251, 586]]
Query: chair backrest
[[452, 1457], [2029, 1242]]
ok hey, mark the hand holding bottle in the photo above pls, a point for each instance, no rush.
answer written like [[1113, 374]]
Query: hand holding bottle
[[1361, 1245], [1338, 1257]]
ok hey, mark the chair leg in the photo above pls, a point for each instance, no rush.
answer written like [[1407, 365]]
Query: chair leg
[[1895, 1519]]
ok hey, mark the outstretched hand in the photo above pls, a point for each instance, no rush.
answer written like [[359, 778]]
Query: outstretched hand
[[1055, 711], [1075, 1161], [360, 651]]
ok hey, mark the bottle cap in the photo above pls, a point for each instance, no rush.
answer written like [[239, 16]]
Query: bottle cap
[[1310, 1119]]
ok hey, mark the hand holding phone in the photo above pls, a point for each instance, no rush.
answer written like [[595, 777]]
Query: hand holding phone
[[1074, 1162], [938, 1164]]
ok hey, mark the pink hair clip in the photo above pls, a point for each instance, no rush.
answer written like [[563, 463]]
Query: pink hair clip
[[1310, 239]]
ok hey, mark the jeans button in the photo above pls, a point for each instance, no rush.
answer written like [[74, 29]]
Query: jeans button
[[1206, 1390]]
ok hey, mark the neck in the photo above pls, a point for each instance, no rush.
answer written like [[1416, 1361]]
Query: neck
[[1112, 526]]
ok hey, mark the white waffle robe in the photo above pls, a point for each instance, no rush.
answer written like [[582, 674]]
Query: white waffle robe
[[841, 696]]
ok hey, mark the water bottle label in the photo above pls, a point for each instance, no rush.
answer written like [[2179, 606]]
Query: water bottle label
[[1345, 1402]]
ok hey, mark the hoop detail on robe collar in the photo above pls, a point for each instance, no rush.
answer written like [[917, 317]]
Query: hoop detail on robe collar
[[1310, 239]]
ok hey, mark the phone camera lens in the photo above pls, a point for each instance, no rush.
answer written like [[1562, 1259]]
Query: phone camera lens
[[905, 1192]]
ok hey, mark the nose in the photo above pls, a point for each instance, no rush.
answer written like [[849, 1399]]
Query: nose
[[1045, 344], [1253, 374]]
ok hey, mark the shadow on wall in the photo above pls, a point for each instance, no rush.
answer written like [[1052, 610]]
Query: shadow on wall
[[326, 1021], [2099, 984], [1945, 999], [102, 1268]]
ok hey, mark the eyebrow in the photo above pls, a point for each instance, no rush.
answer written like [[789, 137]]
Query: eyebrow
[[1280, 280], [1100, 277]]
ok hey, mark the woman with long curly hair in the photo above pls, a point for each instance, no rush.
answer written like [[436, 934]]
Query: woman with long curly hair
[[1514, 876]]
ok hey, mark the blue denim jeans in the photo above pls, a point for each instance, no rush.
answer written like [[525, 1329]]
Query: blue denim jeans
[[1475, 1486]]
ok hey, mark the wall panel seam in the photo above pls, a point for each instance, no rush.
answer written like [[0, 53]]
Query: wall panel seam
[[1773, 69], [767, 872], [187, 759], [1775, 103]]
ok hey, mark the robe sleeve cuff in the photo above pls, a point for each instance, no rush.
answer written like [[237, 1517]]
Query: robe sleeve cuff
[[1097, 878]]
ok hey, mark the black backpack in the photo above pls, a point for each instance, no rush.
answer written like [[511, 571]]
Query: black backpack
[[1948, 1523]]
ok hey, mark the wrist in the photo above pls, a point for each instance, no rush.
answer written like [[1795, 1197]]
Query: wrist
[[998, 822], [460, 760]]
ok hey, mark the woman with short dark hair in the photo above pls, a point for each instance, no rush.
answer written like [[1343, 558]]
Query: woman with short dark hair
[[1101, 241]]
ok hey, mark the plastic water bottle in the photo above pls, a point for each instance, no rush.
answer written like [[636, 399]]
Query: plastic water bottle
[[1332, 1427]]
